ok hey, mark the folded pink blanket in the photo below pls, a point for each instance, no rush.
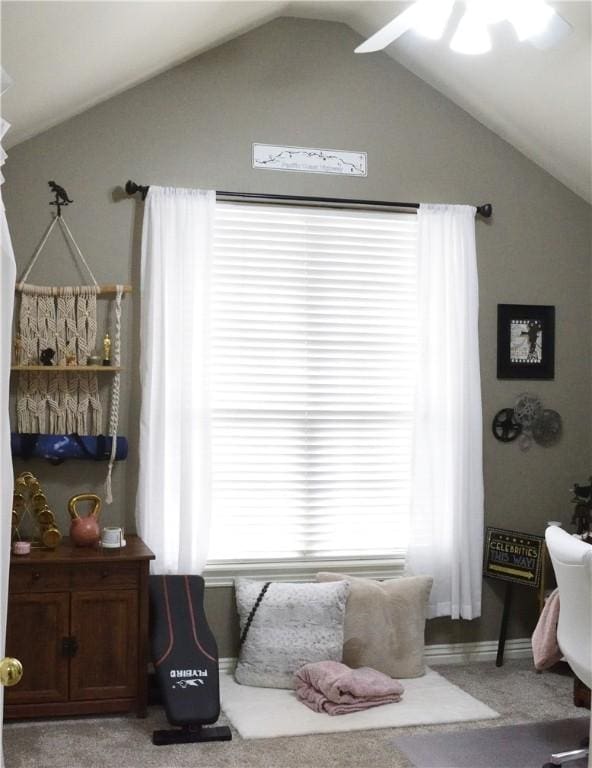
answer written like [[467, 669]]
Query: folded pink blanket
[[545, 649], [332, 687]]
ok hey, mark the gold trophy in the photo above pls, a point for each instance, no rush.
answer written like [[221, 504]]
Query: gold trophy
[[106, 350]]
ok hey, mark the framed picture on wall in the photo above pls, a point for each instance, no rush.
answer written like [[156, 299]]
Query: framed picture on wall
[[525, 341]]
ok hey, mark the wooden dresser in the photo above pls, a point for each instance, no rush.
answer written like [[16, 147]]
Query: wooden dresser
[[78, 622]]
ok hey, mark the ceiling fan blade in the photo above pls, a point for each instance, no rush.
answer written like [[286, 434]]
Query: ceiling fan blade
[[5, 80], [556, 30], [390, 32]]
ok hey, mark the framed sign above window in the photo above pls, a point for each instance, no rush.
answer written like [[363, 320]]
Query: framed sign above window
[[525, 341]]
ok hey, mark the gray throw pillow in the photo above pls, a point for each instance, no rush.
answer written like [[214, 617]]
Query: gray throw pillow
[[294, 625], [385, 623]]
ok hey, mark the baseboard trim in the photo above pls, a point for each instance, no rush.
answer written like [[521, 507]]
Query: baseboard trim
[[486, 650], [227, 664], [451, 653]]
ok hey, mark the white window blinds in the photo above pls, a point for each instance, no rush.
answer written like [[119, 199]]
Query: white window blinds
[[313, 364]]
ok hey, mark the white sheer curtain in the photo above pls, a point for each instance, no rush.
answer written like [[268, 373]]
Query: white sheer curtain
[[7, 280], [447, 491], [173, 500]]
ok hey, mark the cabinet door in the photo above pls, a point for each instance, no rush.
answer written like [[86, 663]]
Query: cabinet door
[[36, 626], [105, 626]]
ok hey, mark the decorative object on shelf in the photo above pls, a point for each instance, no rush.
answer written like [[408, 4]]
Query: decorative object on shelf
[[58, 324], [29, 499], [85, 531], [528, 420], [525, 341], [112, 537], [582, 516], [46, 356], [505, 427], [61, 197], [106, 350]]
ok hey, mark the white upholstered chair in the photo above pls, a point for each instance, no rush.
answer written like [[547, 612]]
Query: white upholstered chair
[[572, 563]]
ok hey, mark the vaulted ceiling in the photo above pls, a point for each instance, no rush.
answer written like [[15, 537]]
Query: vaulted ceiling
[[64, 57]]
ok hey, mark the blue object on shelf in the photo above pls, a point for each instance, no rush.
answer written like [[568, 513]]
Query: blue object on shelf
[[57, 448]]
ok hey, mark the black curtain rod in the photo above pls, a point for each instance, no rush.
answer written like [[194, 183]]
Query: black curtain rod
[[484, 210]]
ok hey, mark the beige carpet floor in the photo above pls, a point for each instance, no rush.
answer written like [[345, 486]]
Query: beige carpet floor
[[515, 690]]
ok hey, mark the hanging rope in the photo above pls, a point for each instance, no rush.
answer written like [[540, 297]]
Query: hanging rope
[[67, 234], [115, 393], [39, 249], [88, 269]]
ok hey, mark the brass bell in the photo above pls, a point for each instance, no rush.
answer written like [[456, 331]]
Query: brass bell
[[45, 516], [51, 537], [18, 501], [39, 500]]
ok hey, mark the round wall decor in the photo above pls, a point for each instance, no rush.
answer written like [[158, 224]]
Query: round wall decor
[[527, 409], [505, 427], [547, 428]]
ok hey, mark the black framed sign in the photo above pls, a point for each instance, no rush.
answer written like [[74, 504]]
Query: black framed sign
[[525, 341], [513, 556]]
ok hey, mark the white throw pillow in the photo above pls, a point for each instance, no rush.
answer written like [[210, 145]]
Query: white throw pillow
[[295, 624]]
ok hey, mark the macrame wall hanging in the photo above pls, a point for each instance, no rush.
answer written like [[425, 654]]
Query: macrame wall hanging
[[58, 367]]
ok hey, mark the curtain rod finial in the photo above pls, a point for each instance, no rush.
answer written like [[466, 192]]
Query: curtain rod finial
[[131, 188], [485, 210]]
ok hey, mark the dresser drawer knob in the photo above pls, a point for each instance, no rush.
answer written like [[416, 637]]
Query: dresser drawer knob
[[36, 575], [104, 573], [69, 647]]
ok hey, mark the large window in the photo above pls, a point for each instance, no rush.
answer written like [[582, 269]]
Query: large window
[[313, 366]]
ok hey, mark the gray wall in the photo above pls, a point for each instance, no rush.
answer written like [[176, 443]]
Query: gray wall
[[297, 82]]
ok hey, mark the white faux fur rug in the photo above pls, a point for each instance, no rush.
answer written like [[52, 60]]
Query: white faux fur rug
[[264, 713]]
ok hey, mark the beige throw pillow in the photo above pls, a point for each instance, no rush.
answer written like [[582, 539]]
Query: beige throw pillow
[[385, 623]]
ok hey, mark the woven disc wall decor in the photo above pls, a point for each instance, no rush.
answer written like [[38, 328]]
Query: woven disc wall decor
[[527, 409], [547, 428]]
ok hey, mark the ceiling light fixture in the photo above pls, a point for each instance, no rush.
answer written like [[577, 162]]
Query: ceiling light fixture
[[431, 17], [530, 18], [533, 20], [5, 81], [471, 36], [491, 11]]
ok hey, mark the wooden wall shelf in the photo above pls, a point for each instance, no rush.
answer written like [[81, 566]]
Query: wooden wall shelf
[[68, 368], [58, 290]]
